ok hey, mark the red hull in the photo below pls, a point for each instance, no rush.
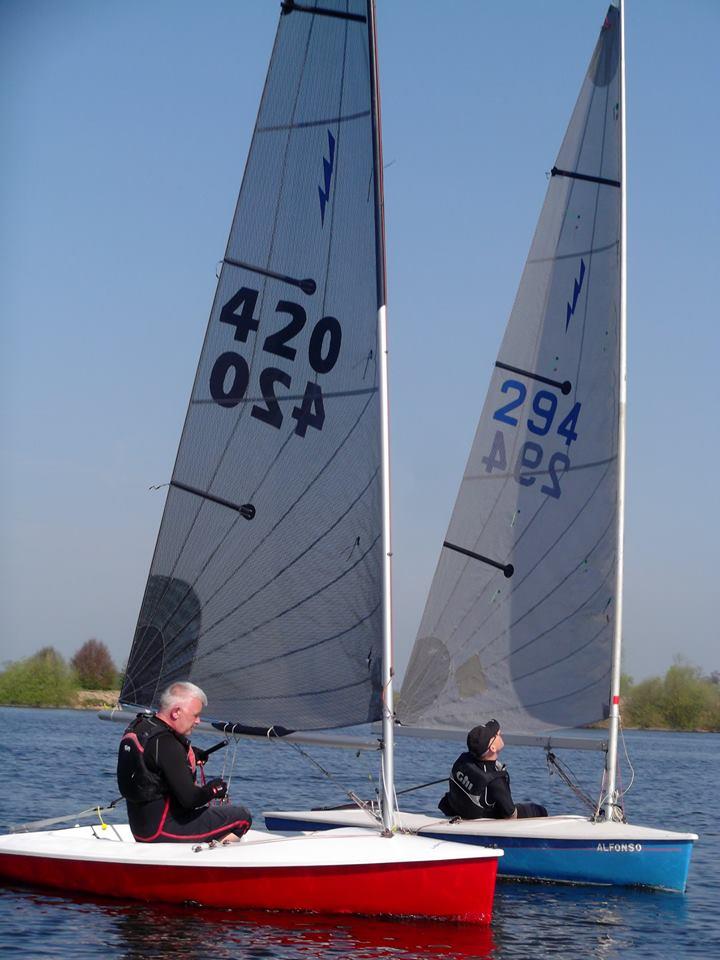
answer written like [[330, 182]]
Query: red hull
[[460, 890]]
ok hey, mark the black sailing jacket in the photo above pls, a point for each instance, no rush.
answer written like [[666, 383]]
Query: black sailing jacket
[[478, 788]]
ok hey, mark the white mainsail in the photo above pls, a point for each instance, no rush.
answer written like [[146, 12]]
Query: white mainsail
[[266, 587], [519, 621]]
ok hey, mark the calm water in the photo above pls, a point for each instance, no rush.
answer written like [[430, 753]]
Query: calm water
[[56, 762]]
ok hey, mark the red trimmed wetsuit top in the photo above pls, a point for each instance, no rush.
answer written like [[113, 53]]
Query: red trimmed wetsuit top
[[156, 775]]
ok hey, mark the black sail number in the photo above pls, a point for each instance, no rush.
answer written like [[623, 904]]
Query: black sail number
[[271, 412], [244, 322], [311, 413], [227, 390], [230, 374], [277, 343], [324, 327]]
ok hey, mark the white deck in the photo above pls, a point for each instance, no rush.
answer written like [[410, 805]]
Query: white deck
[[344, 846], [551, 828]]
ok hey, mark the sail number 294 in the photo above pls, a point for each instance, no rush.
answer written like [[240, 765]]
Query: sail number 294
[[543, 422], [230, 375]]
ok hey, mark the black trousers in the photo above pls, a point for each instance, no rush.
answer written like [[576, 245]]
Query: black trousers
[[159, 821], [530, 810], [523, 809]]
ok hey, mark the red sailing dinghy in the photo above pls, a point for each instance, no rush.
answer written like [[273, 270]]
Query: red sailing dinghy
[[345, 871], [270, 582]]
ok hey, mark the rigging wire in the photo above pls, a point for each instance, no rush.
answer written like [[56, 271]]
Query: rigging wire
[[421, 786], [229, 760], [90, 811], [627, 760], [618, 814], [364, 805], [566, 775]]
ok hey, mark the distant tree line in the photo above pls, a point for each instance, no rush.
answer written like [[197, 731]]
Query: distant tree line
[[47, 680], [684, 699]]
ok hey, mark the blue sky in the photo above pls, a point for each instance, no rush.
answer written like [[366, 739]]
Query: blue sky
[[126, 125]]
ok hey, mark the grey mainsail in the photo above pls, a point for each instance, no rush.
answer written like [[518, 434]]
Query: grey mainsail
[[266, 583], [518, 624]]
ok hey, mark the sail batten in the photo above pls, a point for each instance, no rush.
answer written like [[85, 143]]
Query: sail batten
[[576, 175], [320, 122]]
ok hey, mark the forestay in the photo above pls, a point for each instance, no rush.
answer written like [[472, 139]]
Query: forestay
[[518, 622], [266, 583]]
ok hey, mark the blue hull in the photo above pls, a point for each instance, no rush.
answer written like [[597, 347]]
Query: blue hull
[[661, 864]]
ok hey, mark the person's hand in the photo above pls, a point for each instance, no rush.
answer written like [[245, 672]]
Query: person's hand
[[218, 788]]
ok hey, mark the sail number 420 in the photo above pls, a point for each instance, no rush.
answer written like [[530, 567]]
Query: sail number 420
[[531, 455], [230, 375]]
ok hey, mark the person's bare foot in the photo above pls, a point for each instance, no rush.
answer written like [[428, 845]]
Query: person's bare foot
[[230, 838]]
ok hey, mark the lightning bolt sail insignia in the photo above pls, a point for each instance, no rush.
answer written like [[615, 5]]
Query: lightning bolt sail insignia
[[576, 293], [328, 167]]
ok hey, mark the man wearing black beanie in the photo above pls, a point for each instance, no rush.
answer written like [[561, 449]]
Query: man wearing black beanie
[[479, 785]]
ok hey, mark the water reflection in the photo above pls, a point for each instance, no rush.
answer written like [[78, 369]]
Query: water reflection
[[164, 932], [530, 920], [92, 927], [593, 922]]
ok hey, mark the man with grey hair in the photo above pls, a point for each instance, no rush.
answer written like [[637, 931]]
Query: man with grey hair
[[176, 692], [156, 773]]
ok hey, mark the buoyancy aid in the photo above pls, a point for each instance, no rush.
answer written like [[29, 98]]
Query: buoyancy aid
[[468, 787], [137, 782]]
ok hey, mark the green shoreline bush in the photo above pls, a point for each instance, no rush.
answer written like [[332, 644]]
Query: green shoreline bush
[[46, 680], [683, 699], [43, 680]]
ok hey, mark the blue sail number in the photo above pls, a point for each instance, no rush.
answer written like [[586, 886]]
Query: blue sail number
[[503, 413], [531, 461], [544, 409], [528, 464]]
